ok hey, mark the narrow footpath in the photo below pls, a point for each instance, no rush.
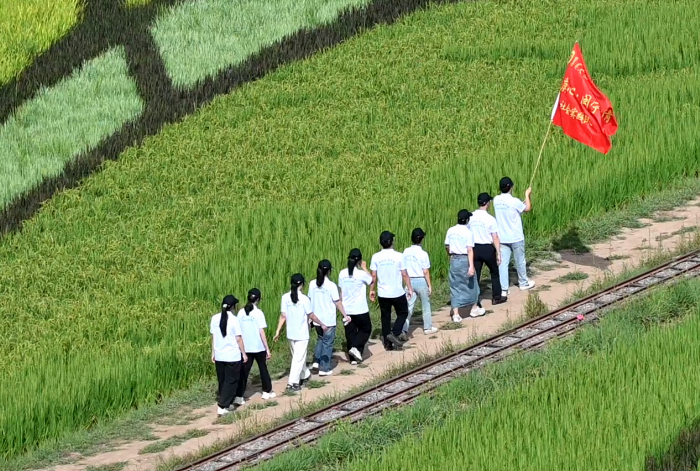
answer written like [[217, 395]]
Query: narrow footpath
[[557, 279]]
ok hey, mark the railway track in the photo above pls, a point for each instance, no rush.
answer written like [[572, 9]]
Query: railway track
[[406, 387]]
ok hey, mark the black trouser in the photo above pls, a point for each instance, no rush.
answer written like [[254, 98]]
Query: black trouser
[[228, 374], [261, 359], [358, 331], [400, 305], [485, 254]]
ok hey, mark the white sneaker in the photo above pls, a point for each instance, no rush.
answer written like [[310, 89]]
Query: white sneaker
[[314, 366], [269, 395], [220, 411], [432, 330], [239, 401], [355, 353], [325, 373], [530, 285], [353, 362], [456, 318], [477, 311]]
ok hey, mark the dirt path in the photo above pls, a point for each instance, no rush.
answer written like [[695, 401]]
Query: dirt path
[[625, 250]]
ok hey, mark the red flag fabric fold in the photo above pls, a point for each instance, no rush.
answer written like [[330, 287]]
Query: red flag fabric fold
[[582, 111]]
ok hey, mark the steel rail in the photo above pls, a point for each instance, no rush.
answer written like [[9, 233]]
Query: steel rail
[[407, 386]]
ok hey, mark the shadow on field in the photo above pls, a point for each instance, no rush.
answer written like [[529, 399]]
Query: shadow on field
[[682, 455], [107, 24]]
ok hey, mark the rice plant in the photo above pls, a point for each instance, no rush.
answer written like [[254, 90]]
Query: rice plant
[[106, 294], [29, 27]]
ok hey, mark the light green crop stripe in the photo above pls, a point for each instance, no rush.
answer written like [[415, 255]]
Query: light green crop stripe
[[48, 132], [198, 39]]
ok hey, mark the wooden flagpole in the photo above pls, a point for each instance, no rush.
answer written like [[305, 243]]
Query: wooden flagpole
[[549, 128]]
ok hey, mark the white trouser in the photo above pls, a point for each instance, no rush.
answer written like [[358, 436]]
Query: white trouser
[[298, 348]]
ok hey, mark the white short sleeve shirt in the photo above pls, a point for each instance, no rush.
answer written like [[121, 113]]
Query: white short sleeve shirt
[[250, 329], [508, 215], [323, 301], [226, 348], [482, 225], [459, 238], [297, 316], [415, 259], [388, 264], [354, 289]]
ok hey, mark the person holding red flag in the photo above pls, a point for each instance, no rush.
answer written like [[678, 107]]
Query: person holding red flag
[[582, 111]]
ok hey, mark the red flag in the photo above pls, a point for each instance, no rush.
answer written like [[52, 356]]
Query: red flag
[[582, 111]]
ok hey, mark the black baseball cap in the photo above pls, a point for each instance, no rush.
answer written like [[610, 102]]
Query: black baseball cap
[[386, 237], [463, 215], [229, 301], [505, 184], [254, 294], [355, 254], [417, 232], [297, 279], [325, 264], [483, 198]]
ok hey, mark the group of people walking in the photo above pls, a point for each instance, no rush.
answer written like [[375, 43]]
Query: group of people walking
[[396, 281]]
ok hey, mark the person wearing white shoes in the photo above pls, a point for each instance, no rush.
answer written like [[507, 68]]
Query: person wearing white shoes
[[227, 352], [353, 282], [253, 325], [509, 210], [459, 245], [487, 250], [325, 302], [417, 263], [295, 312]]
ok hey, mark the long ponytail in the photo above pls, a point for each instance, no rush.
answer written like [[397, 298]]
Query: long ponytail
[[229, 302], [353, 259], [296, 282], [324, 268], [253, 297]]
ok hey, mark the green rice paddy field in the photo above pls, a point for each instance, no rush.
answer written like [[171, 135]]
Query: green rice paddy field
[[106, 293], [620, 394]]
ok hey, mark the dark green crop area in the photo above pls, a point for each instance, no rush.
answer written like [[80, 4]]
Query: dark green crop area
[[106, 293]]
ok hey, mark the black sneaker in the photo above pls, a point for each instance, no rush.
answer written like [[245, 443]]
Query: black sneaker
[[500, 300], [394, 340], [403, 337], [293, 387]]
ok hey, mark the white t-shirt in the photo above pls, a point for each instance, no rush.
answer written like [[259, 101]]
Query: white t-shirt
[[226, 348], [482, 225], [297, 316], [354, 289], [510, 224], [415, 259], [459, 238], [250, 328], [388, 264], [323, 299]]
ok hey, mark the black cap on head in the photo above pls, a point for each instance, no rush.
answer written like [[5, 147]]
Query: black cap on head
[[254, 294], [229, 301], [505, 184], [355, 254], [483, 198], [417, 235], [325, 264], [386, 239], [297, 279], [463, 216]]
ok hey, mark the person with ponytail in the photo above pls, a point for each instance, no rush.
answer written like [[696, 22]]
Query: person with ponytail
[[353, 282], [227, 352], [325, 302], [253, 325], [295, 312]]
